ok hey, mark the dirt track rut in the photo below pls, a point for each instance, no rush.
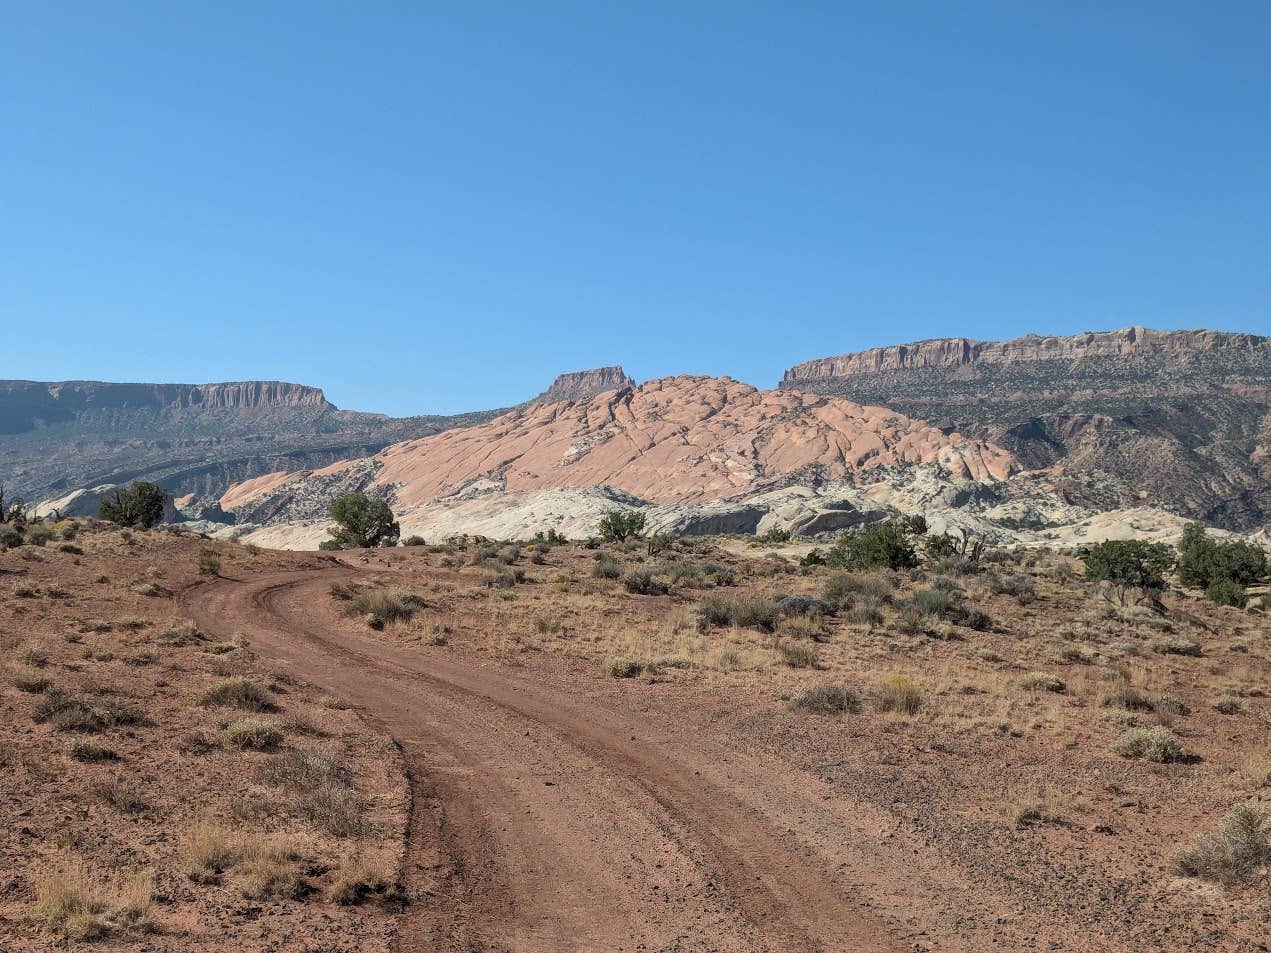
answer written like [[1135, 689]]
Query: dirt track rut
[[544, 820]]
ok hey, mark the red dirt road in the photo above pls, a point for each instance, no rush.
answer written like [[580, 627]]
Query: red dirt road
[[543, 819]]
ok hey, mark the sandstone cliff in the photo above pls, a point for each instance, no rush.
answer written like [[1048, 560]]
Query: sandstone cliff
[[1178, 418], [579, 384]]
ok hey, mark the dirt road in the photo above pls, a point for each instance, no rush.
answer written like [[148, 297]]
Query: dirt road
[[543, 819]]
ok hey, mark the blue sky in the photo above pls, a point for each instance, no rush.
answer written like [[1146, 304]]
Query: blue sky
[[437, 207]]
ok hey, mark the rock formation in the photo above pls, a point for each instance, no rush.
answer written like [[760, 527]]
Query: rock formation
[[579, 384], [1179, 418]]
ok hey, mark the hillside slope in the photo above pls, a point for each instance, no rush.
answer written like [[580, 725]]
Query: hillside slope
[[193, 439], [674, 440], [1176, 417]]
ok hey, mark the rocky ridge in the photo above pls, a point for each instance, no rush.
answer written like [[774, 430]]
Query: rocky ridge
[[1175, 418]]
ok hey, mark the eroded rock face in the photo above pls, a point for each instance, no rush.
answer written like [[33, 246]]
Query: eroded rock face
[[674, 440], [580, 384], [1179, 418]]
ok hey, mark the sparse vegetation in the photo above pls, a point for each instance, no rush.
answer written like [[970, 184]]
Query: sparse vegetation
[[361, 523], [252, 734], [1236, 853], [237, 692], [899, 694], [1158, 745], [826, 700]]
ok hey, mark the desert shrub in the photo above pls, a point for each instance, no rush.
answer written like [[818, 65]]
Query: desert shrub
[[627, 666], [1204, 561], [754, 613], [843, 590], [1128, 562], [714, 610], [933, 602], [643, 582], [68, 713], [1227, 592], [606, 567], [209, 562], [414, 540], [946, 584], [334, 807], [361, 523], [1042, 682], [38, 535], [382, 606], [1229, 705], [139, 506], [1124, 695], [237, 692], [1149, 744], [802, 606], [976, 619], [124, 798], [29, 680], [1234, 854], [900, 694], [867, 612], [254, 734], [826, 700], [10, 536], [799, 654], [1175, 645], [1019, 585], [182, 633], [880, 544], [89, 753], [619, 525]]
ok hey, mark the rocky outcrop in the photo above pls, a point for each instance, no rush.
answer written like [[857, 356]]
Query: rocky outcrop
[[674, 440], [1177, 418], [577, 385]]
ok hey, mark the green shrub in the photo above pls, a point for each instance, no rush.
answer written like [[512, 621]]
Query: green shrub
[[1128, 562], [382, 606], [362, 523], [619, 525], [1158, 745], [1227, 592], [933, 602], [414, 541], [880, 544], [30, 680], [1204, 561], [139, 506]]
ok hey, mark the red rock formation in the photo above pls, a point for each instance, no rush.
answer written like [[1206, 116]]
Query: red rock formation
[[680, 439]]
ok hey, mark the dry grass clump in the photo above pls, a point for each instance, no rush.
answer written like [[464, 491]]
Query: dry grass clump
[[68, 713], [323, 790], [356, 881], [1237, 852], [206, 852], [744, 612], [900, 694], [629, 666], [180, 634], [28, 653], [1032, 806], [799, 654], [237, 692], [382, 606], [1158, 745], [1042, 682], [124, 798], [826, 700], [255, 734], [268, 869], [642, 582], [88, 753], [844, 590], [76, 903], [209, 562], [30, 680]]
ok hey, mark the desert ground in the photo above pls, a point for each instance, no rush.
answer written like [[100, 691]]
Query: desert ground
[[485, 746]]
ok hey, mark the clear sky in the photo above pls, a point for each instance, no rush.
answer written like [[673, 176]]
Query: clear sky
[[437, 207]]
